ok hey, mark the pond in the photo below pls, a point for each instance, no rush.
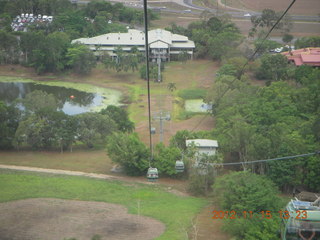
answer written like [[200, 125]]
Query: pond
[[196, 105], [74, 98]]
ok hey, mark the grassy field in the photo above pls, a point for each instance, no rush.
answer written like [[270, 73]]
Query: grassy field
[[95, 161], [174, 211]]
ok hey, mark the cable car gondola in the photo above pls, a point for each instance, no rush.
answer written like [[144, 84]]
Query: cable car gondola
[[301, 220], [152, 174], [179, 166]]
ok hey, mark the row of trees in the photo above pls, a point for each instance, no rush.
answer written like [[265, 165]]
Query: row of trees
[[41, 126], [214, 38], [46, 53], [46, 47]]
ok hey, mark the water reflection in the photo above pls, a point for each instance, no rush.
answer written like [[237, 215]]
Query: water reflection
[[82, 101]]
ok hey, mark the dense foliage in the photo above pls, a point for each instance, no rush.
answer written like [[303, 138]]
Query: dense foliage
[[305, 42], [281, 119], [215, 38], [120, 117], [41, 125], [128, 151], [47, 46], [267, 19], [246, 192]]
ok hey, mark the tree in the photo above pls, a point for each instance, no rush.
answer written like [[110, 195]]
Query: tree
[[50, 55], [153, 72], [128, 151], [73, 23], [287, 38], [244, 191], [32, 131], [305, 42], [94, 128], [267, 19], [227, 69], [120, 117], [38, 100], [171, 87], [56, 48], [203, 174], [273, 67], [9, 120], [46, 128], [165, 159], [265, 46], [9, 48], [81, 59], [29, 42], [215, 38], [183, 56], [174, 28]]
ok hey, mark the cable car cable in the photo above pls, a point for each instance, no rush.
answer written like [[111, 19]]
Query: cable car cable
[[147, 75], [265, 38], [270, 159], [259, 47], [152, 173]]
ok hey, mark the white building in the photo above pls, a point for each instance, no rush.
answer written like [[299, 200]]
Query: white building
[[203, 147], [162, 43]]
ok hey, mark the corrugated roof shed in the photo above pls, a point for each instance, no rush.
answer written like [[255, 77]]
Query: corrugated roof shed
[[202, 142]]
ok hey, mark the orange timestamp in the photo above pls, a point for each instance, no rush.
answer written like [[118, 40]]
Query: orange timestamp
[[283, 214]]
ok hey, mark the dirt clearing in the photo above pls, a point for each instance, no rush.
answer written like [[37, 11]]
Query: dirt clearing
[[57, 219]]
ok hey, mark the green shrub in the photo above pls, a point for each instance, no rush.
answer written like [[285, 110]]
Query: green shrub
[[128, 151], [165, 159], [245, 191]]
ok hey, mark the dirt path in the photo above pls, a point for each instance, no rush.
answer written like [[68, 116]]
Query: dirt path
[[204, 227], [57, 219]]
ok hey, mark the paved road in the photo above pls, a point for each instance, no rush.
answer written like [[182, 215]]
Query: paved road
[[194, 9]]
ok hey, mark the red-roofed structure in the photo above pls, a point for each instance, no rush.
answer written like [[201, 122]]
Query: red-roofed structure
[[305, 56]]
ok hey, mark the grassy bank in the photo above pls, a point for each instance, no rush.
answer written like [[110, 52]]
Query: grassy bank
[[82, 160], [174, 211]]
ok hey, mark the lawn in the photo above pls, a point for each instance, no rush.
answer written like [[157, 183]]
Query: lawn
[[175, 212], [95, 161]]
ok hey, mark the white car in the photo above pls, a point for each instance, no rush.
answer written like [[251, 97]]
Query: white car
[[247, 15]]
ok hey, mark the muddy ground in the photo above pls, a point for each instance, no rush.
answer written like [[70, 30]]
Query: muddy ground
[[57, 219]]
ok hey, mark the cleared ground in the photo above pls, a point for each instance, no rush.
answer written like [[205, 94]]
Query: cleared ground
[[55, 219]]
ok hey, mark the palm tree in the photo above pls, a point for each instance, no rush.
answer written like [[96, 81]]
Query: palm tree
[[171, 86]]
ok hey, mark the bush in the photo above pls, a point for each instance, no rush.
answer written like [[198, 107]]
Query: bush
[[165, 159], [199, 184], [253, 228], [244, 191], [203, 174], [128, 151], [120, 117]]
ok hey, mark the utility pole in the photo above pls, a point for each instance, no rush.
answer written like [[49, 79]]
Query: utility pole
[[161, 116], [159, 68]]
